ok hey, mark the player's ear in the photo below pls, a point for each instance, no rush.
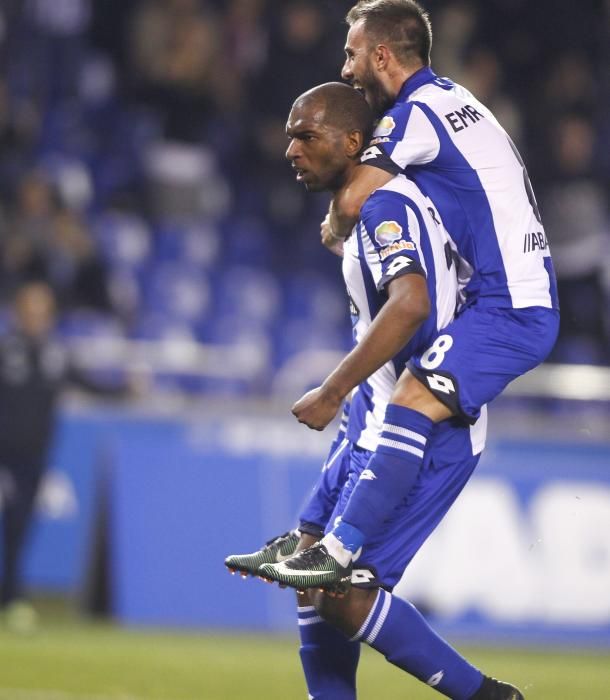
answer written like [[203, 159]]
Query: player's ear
[[381, 57], [354, 141]]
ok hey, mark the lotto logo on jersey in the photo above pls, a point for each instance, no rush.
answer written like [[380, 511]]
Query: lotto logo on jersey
[[387, 232], [385, 127]]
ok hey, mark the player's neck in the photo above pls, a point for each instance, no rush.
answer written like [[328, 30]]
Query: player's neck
[[399, 75], [345, 177]]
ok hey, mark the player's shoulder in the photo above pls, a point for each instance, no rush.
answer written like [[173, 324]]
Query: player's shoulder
[[401, 186], [413, 112], [393, 122], [447, 95], [399, 192], [394, 211]]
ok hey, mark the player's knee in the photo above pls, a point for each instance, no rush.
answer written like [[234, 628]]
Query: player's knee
[[408, 389], [327, 608], [411, 393], [347, 613]]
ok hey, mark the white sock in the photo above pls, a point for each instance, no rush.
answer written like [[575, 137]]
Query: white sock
[[336, 549]]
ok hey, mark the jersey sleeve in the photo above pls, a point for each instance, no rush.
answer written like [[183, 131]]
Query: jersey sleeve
[[393, 228], [403, 136]]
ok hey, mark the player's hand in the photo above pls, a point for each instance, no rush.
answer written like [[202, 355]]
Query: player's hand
[[316, 408], [329, 240]]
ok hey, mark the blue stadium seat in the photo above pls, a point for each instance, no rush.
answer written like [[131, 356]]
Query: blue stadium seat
[[251, 346], [178, 290], [123, 238], [86, 323], [295, 335], [153, 325], [311, 296], [187, 241], [247, 240], [248, 292]]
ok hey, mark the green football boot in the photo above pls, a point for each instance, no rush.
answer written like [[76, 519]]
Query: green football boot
[[311, 568], [276, 550]]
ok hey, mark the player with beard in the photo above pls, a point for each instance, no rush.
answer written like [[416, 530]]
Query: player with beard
[[440, 136], [402, 286]]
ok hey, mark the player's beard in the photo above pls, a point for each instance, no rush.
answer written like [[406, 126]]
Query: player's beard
[[378, 99]]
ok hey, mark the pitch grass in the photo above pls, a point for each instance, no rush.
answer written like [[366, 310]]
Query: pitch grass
[[75, 660]]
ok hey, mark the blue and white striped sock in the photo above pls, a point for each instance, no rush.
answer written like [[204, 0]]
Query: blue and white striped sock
[[328, 657], [398, 631], [388, 477]]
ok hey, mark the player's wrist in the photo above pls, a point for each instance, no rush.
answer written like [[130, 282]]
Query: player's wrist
[[333, 235], [334, 391]]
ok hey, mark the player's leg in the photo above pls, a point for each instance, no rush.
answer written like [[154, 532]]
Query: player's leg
[[392, 625], [382, 485], [397, 630], [329, 657], [318, 507], [468, 365], [393, 469]]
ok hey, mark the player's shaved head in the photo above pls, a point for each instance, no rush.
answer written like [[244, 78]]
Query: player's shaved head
[[328, 126], [343, 107]]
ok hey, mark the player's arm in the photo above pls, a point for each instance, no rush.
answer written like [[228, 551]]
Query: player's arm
[[345, 207], [403, 136], [407, 307]]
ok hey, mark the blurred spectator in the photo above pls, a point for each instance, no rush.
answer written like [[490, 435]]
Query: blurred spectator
[[482, 75], [246, 36], [47, 241], [30, 229], [298, 35], [575, 210], [77, 270], [33, 370], [455, 23], [178, 107], [176, 55]]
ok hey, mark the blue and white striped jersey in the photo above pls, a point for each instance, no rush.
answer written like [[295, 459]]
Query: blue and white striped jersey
[[399, 232], [452, 146]]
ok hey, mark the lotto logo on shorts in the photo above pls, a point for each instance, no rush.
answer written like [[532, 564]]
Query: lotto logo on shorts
[[439, 383], [362, 576], [368, 474]]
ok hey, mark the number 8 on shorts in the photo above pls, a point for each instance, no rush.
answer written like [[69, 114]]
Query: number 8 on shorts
[[435, 354]]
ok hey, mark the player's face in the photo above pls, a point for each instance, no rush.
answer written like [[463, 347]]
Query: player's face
[[359, 69], [316, 151]]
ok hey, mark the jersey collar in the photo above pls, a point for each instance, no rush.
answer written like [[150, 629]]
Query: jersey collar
[[421, 77]]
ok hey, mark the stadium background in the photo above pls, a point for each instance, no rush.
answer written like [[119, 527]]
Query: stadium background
[[142, 176]]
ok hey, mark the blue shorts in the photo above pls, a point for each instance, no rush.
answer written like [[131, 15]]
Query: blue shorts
[[481, 351], [447, 466], [316, 511]]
